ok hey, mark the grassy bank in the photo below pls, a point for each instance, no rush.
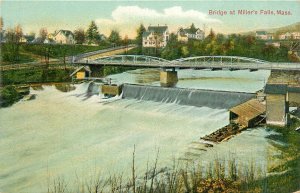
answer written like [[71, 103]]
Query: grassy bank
[[35, 75], [21, 53], [8, 96]]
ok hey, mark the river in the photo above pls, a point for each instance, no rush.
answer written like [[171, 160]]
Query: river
[[69, 134]]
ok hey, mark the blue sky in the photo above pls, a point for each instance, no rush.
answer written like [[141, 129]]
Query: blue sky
[[125, 16]]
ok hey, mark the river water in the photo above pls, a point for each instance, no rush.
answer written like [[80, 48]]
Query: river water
[[73, 134]]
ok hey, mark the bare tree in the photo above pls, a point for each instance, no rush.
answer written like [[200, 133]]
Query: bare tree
[[18, 33], [43, 33]]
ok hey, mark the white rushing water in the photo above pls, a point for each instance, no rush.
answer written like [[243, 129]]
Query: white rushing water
[[69, 135]]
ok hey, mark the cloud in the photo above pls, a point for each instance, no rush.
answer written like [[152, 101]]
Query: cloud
[[127, 18]]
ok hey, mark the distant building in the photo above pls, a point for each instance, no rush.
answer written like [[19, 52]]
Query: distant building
[[184, 34], [275, 44], [296, 35], [263, 35], [29, 38], [64, 37], [156, 36], [49, 41], [285, 36], [289, 36], [23, 40], [38, 40]]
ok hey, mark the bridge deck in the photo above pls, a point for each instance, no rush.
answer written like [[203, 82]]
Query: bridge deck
[[199, 65]]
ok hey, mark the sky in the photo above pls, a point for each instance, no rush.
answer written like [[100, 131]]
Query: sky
[[125, 16]]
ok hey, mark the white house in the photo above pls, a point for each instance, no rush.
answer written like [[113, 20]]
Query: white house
[[184, 34], [285, 36], [296, 35], [64, 37], [263, 35], [156, 37], [288, 36]]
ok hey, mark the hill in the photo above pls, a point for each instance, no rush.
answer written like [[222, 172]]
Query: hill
[[279, 30]]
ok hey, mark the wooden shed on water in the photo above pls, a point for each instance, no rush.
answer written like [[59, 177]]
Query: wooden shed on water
[[82, 72], [248, 114]]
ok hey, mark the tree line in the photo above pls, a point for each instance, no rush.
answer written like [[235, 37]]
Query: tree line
[[217, 44], [213, 44]]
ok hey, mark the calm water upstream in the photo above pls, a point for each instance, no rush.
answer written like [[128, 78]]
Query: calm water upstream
[[70, 134]]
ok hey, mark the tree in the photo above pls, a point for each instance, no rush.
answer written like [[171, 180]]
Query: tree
[[43, 33], [114, 37], [173, 49], [185, 51], [1, 24], [79, 36], [1, 28], [18, 33], [193, 28], [126, 42], [211, 36], [92, 33], [11, 48], [139, 37]]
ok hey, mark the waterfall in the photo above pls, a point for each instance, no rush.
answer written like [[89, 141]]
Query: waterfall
[[184, 96]]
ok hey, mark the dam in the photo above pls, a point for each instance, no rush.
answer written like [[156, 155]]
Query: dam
[[183, 96]]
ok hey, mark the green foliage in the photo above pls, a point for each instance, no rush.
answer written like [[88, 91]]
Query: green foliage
[[35, 76], [173, 49], [79, 36], [92, 33], [139, 38], [108, 70], [57, 50], [233, 45], [9, 96], [193, 28], [114, 37]]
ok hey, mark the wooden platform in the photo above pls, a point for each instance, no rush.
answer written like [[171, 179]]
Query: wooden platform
[[248, 113]]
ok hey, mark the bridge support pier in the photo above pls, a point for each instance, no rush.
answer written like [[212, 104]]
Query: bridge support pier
[[283, 91], [168, 78], [277, 109]]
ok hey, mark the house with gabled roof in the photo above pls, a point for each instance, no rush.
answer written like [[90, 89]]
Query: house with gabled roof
[[185, 34], [289, 36], [156, 36], [263, 35], [64, 37]]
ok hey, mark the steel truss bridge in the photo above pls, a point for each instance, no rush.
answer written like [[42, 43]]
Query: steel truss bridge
[[198, 62]]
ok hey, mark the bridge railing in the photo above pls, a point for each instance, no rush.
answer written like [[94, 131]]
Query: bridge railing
[[231, 62], [84, 55]]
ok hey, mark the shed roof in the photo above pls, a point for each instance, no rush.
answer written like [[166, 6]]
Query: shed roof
[[249, 109], [276, 88], [86, 68]]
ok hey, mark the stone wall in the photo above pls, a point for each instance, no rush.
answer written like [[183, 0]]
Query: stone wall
[[276, 109]]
